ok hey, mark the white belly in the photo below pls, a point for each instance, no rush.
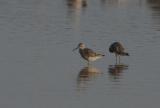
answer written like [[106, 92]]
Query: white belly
[[94, 58]]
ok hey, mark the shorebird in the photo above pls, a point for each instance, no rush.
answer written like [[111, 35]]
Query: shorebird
[[87, 54], [118, 50]]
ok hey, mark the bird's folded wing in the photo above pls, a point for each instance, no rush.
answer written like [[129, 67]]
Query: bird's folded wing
[[88, 52]]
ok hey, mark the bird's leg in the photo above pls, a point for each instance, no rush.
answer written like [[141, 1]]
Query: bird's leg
[[119, 59], [116, 58]]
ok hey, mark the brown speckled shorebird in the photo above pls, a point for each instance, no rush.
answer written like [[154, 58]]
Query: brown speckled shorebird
[[88, 54], [118, 50]]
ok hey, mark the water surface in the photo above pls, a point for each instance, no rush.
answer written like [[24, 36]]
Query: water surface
[[39, 70]]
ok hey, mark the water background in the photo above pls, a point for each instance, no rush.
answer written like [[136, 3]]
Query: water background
[[39, 70]]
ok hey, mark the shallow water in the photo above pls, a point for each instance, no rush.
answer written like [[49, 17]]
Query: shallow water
[[39, 70]]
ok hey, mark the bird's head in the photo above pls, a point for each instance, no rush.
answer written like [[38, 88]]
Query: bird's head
[[80, 46]]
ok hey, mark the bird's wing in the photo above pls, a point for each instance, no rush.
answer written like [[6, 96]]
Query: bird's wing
[[89, 52], [120, 48]]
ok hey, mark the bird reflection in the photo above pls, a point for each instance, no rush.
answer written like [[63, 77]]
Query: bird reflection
[[156, 2], [76, 4], [115, 71], [155, 7], [86, 75], [75, 7]]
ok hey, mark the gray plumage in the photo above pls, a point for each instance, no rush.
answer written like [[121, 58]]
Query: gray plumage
[[118, 50], [88, 54]]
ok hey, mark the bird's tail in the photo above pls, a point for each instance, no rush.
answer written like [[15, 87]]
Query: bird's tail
[[125, 54], [100, 54]]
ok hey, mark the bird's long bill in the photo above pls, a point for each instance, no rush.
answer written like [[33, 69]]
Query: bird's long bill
[[75, 48]]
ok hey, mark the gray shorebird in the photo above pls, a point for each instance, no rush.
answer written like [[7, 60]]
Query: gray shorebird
[[88, 54], [118, 50]]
